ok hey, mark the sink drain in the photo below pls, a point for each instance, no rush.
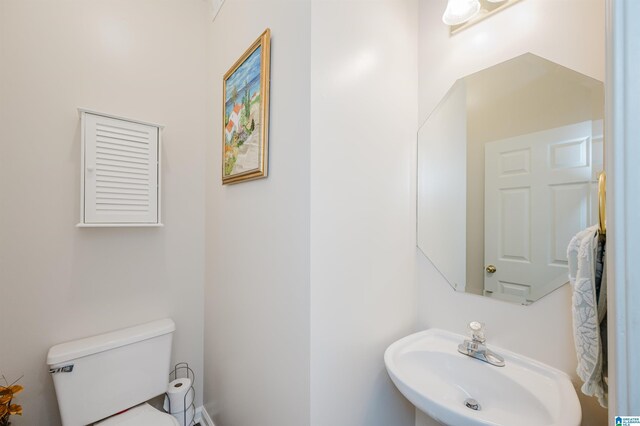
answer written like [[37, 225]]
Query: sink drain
[[472, 404]]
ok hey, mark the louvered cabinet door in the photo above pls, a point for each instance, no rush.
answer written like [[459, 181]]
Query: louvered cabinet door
[[120, 171]]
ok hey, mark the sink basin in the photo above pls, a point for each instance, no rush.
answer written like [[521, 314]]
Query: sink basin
[[430, 372]]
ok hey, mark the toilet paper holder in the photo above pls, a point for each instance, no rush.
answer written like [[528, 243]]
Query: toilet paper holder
[[182, 370]]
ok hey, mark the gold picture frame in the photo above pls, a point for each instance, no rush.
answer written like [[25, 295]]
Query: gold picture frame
[[245, 114]]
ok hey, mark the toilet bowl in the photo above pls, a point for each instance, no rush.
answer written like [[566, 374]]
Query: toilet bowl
[[142, 415]]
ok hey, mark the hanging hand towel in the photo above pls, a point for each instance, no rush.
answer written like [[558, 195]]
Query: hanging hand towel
[[601, 292], [586, 325]]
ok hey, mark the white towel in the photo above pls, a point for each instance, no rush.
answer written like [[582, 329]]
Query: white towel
[[586, 324]]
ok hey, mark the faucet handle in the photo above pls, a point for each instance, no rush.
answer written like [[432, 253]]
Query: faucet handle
[[476, 331]]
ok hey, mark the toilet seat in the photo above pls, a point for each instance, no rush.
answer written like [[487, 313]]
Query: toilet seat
[[142, 415]]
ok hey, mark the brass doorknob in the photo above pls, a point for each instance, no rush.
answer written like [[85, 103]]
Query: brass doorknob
[[491, 269]]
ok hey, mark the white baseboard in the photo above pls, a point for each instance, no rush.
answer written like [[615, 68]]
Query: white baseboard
[[203, 417]]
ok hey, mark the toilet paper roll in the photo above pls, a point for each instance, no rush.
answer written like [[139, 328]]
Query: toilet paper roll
[[185, 420], [179, 396]]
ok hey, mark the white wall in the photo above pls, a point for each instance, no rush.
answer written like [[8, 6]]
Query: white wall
[[363, 133], [568, 32], [329, 237], [144, 60], [257, 233]]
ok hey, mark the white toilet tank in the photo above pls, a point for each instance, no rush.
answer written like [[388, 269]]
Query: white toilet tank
[[102, 375]]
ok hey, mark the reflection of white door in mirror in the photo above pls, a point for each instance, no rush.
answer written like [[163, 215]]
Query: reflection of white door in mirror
[[544, 172], [538, 194]]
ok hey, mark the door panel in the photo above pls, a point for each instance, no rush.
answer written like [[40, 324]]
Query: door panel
[[537, 196]]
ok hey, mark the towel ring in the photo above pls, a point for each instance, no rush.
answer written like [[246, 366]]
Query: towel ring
[[602, 203]]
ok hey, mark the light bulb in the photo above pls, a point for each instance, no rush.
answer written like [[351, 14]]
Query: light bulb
[[459, 11]]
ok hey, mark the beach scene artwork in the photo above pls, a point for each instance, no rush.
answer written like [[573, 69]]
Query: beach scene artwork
[[244, 135]]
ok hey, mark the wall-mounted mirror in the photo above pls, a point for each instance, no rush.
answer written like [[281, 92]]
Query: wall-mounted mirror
[[507, 174]]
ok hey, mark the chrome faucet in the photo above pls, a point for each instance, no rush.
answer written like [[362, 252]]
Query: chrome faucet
[[476, 348]]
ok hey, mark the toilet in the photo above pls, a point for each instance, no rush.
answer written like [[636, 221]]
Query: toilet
[[97, 378]]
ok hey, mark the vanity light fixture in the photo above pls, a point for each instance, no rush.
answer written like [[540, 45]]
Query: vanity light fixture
[[460, 11], [461, 14]]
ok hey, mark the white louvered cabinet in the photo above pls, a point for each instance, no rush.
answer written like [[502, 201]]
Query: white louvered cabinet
[[120, 176]]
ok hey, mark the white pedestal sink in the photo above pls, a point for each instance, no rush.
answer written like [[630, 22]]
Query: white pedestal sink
[[430, 372]]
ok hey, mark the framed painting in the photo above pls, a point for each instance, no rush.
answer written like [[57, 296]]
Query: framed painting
[[245, 129]]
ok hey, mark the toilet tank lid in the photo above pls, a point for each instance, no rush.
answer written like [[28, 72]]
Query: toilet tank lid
[[66, 352]]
